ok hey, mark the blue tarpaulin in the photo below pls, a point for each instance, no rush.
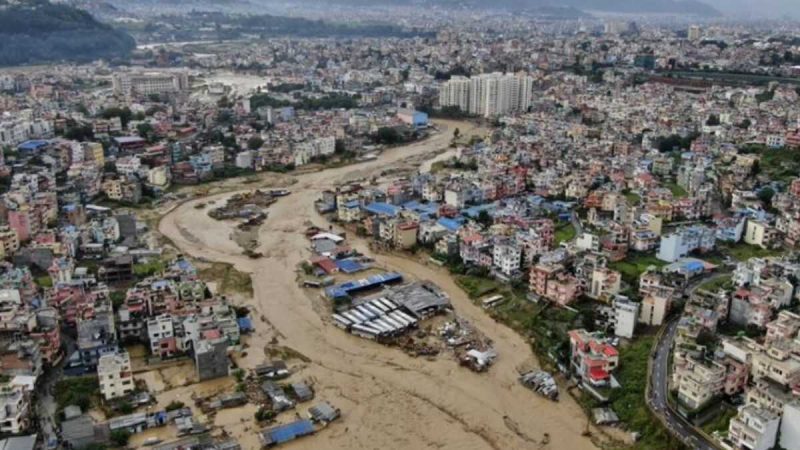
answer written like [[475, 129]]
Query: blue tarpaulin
[[373, 281], [245, 324]]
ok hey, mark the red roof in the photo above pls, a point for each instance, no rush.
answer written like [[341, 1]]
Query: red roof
[[610, 351], [597, 373], [212, 334], [327, 265]]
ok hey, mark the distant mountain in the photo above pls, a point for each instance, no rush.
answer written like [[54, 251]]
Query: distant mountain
[[37, 31], [693, 7], [773, 9]]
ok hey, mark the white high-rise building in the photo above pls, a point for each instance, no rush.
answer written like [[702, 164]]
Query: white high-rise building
[[147, 83], [488, 94]]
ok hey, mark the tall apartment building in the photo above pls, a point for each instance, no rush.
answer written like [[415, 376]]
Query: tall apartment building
[[147, 83], [115, 375], [488, 94]]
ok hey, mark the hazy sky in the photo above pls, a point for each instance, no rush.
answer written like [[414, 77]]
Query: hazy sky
[[757, 8]]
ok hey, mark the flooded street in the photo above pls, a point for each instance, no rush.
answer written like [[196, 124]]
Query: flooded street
[[389, 400]]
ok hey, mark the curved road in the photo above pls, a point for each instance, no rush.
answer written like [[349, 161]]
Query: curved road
[[659, 384]]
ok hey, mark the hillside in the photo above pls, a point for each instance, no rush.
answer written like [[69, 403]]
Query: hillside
[[37, 31], [694, 7]]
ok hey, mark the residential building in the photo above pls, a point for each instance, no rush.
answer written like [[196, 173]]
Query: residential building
[[754, 429], [679, 244], [592, 357], [115, 375]]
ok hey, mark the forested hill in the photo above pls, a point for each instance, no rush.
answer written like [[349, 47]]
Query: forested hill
[[37, 31]]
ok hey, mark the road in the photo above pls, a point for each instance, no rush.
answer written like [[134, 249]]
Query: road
[[659, 384]]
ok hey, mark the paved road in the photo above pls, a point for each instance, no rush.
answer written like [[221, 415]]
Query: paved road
[[659, 391]]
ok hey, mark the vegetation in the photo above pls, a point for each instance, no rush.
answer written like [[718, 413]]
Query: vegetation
[[669, 143], [76, 391], [677, 191], [721, 421], [228, 279], [565, 232], [629, 401], [120, 438], [38, 31], [175, 405], [332, 101], [144, 270], [635, 265], [716, 284], [743, 252], [476, 286]]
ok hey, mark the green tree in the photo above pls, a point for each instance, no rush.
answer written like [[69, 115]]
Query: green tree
[[255, 142], [120, 437], [765, 195]]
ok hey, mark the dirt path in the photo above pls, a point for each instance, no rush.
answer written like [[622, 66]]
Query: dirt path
[[389, 400]]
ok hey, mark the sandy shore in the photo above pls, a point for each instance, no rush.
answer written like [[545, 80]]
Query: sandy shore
[[389, 400]]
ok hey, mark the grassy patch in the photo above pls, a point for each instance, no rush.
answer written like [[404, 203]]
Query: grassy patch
[[476, 286], [676, 190], [715, 285], [565, 232], [44, 281], [81, 391], [743, 252], [629, 401], [147, 269], [721, 421], [779, 164], [228, 279], [635, 265], [633, 198]]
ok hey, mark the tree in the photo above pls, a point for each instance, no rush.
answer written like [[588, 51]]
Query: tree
[[175, 405], [765, 195], [120, 437], [456, 133], [485, 219], [388, 135], [713, 120], [255, 142]]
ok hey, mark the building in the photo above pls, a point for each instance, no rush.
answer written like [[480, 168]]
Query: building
[[592, 358], [211, 358], [14, 409], [625, 314], [679, 244], [150, 83], [754, 429], [161, 335], [115, 375], [700, 382], [759, 234], [605, 284], [654, 309], [413, 118], [488, 94], [694, 33], [790, 426]]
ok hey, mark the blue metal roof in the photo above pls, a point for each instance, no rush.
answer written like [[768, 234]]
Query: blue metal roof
[[474, 211], [349, 265], [381, 209], [344, 289], [451, 224], [290, 431], [32, 145]]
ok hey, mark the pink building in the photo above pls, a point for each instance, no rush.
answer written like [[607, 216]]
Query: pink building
[[592, 358]]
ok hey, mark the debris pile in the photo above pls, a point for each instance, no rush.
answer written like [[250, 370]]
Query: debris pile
[[542, 383], [249, 206]]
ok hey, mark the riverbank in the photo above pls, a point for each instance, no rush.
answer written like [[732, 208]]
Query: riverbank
[[388, 399]]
